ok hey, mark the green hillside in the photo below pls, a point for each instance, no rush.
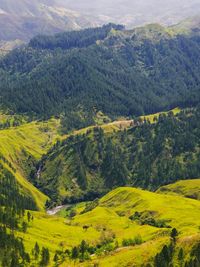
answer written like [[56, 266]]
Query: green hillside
[[100, 149], [127, 226], [122, 215], [188, 188], [21, 147], [146, 154], [108, 69], [23, 144]]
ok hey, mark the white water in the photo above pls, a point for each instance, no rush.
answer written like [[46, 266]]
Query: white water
[[56, 209]]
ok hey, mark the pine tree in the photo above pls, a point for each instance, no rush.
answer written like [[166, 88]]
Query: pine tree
[[29, 216], [56, 258], [36, 251], [174, 234], [45, 257], [24, 227], [75, 253]]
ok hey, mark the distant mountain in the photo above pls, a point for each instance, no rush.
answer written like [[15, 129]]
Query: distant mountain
[[21, 20], [188, 26], [133, 12]]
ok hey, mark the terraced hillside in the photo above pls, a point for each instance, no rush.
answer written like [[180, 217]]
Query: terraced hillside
[[126, 227], [187, 188]]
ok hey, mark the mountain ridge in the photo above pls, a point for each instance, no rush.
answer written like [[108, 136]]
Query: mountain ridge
[[27, 19], [107, 69]]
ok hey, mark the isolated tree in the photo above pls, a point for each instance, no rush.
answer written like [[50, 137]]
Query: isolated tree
[[29, 216], [75, 253], [45, 257], [36, 251], [24, 227], [56, 258], [174, 234]]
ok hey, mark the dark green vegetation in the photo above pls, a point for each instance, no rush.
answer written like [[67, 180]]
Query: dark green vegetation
[[109, 69], [165, 257], [74, 39], [85, 166], [14, 218]]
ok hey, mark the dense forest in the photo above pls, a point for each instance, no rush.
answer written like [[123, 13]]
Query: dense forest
[[148, 155], [107, 69], [73, 39]]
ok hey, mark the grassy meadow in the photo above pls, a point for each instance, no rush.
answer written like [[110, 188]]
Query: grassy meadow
[[112, 217]]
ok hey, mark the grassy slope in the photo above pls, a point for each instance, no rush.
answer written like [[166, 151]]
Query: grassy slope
[[186, 188], [50, 231], [151, 117], [118, 205], [108, 127], [113, 214], [123, 124], [181, 212], [132, 256], [174, 208], [35, 139]]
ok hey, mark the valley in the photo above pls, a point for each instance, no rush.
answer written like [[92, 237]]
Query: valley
[[111, 220], [124, 225], [100, 145]]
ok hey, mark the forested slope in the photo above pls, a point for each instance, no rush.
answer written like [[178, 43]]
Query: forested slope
[[106, 69], [147, 155]]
